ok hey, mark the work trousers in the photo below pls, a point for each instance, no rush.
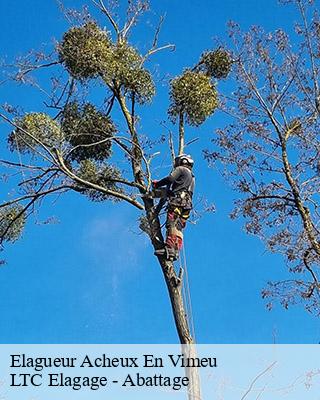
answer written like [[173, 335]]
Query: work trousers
[[177, 217]]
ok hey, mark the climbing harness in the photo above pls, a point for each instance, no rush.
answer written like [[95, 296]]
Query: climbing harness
[[176, 190]]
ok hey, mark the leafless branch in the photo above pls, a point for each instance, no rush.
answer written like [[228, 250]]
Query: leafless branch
[[94, 186], [257, 378], [154, 48], [129, 24], [32, 68], [271, 197], [18, 165], [36, 195], [105, 11]]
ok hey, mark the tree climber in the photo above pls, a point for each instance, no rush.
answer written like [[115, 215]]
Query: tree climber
[[180, 186]]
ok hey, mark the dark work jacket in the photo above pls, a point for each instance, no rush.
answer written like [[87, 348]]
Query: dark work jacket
[[180, 180]]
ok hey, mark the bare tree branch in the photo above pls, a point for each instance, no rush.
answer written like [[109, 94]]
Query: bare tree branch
[[257, 378], [94, 186], [105, 11]]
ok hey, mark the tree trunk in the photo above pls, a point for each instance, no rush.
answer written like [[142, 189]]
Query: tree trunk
[[180, 317], [175, 294], [181, 134]]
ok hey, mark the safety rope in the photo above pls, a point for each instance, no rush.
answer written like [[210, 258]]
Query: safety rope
[[186, 292]]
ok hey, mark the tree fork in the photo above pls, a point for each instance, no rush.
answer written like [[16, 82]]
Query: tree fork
[[303, 211]]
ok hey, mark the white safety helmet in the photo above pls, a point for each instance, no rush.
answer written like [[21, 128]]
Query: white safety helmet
[[183, 159]]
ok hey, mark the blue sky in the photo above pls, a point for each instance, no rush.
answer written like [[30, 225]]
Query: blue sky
[[91, 278]]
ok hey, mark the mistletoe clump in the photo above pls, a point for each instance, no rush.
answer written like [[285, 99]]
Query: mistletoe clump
[[12, 221], [88, 130], [88, 52], [85, 50], [34, 130], [88, 171], [194, 95], [216, 63], [104, 175], [125, 68]]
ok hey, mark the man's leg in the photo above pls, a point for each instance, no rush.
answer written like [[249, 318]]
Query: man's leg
[[174, 237], [171, 249]]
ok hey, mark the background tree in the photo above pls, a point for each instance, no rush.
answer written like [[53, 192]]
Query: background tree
[[269, 152], [75, 145]]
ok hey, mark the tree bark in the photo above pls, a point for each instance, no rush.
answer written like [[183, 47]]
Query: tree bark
[[181, 321], [156, 237], [174, 287], [181, 134]]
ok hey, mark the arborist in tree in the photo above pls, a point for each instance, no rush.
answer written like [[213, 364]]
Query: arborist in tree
[[180, 187]]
